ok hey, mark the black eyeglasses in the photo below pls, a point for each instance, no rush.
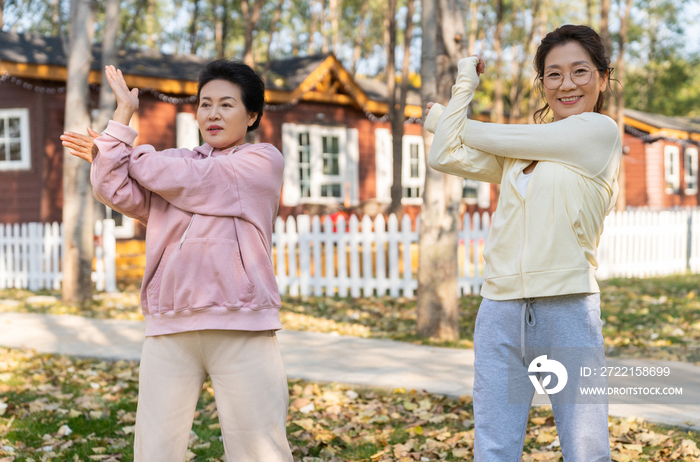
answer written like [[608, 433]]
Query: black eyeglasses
[[579, 76]]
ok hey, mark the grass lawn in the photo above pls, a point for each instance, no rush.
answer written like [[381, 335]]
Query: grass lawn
[[644, 313], [59, 408]]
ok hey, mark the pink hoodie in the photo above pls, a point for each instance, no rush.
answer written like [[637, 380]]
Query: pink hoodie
[[209, 233]]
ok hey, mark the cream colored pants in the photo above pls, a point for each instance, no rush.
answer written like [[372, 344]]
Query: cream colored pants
[[250, 388]]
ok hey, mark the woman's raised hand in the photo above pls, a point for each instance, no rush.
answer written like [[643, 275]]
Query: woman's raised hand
[[480, 68], [127, 100], [81, 145]]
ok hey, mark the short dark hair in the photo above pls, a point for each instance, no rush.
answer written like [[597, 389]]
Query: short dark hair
[[238, 73], [584, 36]]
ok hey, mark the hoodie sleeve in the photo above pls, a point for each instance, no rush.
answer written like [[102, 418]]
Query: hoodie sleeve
[[450, 152], [109, 173], [588, 143], [217, 186]]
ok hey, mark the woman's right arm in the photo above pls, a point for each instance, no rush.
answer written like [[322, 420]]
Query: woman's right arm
[[448, 152], [109, 173]]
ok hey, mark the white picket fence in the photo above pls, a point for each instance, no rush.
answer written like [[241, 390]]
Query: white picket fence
[[370, 257], [31, 256], [364, 258], [378, 257], [645, 243]]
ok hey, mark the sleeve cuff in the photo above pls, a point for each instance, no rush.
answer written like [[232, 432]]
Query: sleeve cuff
[[433, 117], [121, 132]]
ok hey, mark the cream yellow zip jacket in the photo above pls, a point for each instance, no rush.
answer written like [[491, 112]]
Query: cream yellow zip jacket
[[545, 243]]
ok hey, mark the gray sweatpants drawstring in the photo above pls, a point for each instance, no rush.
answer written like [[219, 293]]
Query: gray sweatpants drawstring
[[527, 315]]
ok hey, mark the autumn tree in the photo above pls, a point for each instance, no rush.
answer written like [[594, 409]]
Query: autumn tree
[[78, 203], [438, 304], [397, 102]]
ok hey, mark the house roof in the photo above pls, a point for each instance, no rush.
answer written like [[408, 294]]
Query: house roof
[[661, 125], [319, 78]]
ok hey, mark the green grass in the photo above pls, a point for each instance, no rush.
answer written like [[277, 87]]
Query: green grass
[[97, 401]]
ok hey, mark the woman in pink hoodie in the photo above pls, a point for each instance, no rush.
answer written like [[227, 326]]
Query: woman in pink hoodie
[[209, 292]]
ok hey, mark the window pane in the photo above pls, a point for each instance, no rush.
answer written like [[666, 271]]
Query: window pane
[[330, 155], [15, 150], [2, 128], [411, 192], [14, 127], [330, 190], [2, 151], [470, 190], [334, 165], [304, 165], [414, 170], [414, 151]]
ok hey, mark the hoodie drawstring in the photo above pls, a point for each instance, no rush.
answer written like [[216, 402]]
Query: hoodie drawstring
[[527, 315]]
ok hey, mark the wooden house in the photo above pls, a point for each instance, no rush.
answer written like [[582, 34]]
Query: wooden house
[[331, 127], [661, 160]]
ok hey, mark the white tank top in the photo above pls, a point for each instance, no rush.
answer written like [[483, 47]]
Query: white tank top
[[522, 181]]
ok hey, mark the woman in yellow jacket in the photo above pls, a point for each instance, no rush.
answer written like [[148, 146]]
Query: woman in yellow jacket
[[540, 316]]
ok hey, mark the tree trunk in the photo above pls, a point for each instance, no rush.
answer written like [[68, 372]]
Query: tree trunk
[[108, 102], [621, 203], [313, 24], [358, 39], [150, 26], [605, 25], [324, 35], [334, 6], [251, 18], [193, 28], [219, 30], [518, 91], [224, 27], [394, 117], [437, 300], [535, 98], [473, 25], [498, 49], [77, 195], [273, 28], [589, 13]]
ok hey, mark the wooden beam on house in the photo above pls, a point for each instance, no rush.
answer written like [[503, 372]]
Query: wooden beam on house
[[319, 78], [672, 133]]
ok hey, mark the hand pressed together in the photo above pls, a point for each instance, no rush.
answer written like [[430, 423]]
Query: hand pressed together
[[480, 68], [82, 146]]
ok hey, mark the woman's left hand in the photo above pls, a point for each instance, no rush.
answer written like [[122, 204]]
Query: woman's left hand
[[81, 145], [480, 68]]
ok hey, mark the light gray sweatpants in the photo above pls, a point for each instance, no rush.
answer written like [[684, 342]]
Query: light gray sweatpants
[[505, 332]]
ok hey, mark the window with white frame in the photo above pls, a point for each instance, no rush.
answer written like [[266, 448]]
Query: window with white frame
[[187, 131], [321, 164], [412, 167], [691, 170], [470, 191], [413, 170], [672, 168], [15, 152]]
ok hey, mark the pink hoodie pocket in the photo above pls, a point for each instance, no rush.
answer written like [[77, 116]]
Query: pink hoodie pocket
[[204, 272], [154, 286]]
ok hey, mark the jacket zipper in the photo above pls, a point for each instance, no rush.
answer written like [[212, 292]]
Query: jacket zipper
[[522, 253]]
